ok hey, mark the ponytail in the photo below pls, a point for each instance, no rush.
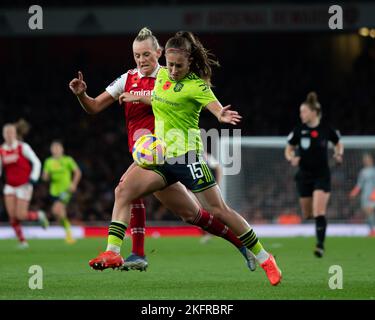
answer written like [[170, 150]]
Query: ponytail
[[201, 59], [313, 103], [22, 128]]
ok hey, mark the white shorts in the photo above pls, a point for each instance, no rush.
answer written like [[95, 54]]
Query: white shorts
[[24, 192]]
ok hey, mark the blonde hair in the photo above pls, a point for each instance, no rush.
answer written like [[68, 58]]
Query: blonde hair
[[8, 125], [145, 34], [313, 103]]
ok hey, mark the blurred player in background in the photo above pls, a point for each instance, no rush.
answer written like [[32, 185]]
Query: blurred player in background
[[366, 186], [313, 178], [21, 169], [139, 121], [64, 175], [182, 90], [23, 128]]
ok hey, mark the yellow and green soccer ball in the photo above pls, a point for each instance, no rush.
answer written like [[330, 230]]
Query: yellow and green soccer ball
[[149, 151]]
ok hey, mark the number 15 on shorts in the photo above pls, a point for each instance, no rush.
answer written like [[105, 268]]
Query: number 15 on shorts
[[200, 170], [195, 170]]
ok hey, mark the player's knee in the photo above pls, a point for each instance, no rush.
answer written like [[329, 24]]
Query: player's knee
[[120, 190], [60, 213], [221, 212], [21, 215], [122, 193], [186, 215], [56, 208]]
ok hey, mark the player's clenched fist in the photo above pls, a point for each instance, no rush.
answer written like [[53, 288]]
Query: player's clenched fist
[[78, 86], [128, 97]]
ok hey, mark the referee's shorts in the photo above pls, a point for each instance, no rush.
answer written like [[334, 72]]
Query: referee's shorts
[[307, 183]]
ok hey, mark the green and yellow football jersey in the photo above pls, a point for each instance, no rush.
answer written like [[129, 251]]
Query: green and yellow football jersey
[[60, 172], [177, 106]]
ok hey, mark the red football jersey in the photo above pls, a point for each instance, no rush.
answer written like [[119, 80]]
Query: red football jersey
[[17, 167], [139, 117]]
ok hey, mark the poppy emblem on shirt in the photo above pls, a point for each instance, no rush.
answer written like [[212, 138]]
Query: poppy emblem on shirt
[[314, 134], [135, 79], [167, 85]]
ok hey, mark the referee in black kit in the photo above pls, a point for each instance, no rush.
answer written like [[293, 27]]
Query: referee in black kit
[[308, 148]]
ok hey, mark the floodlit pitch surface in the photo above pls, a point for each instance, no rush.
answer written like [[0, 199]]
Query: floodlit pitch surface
[[183, 268]]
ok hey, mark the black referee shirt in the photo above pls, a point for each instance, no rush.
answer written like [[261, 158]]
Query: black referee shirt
[[312, 146]]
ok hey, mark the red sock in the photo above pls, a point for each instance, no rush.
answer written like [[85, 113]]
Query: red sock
[[32, 215], [137, 227], [209, 223], [17, 229]]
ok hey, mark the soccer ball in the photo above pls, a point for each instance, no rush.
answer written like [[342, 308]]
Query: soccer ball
[[149, 151]]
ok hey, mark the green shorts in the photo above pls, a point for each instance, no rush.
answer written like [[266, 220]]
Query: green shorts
[[190, 169]]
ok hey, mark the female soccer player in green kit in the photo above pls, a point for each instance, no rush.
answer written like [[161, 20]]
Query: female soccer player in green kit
[[181, 91], [64, 175], [140, 118]]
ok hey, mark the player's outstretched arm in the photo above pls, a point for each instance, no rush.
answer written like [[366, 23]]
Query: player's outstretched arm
[[89, 104], [223, 114]]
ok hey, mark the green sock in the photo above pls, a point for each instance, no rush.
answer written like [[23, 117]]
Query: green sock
[[116, 233], [66, 224], [250, 241]]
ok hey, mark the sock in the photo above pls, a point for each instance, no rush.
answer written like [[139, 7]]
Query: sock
[[116, 233], [137, 227], [66, 224], [32, 215], [17, 229], [371, 221], [320, 226], [250, 240], [209, 223]]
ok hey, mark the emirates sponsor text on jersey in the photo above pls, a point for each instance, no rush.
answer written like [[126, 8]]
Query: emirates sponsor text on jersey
[[141, 92], [10, 158]]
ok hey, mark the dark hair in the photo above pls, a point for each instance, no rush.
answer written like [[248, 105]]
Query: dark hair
[[313, 103], [57, 141], [22, 128], [202, 59], [145, 34]]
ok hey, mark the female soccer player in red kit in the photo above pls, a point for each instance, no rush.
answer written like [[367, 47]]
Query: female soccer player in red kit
[[22, 170], [140, 120]]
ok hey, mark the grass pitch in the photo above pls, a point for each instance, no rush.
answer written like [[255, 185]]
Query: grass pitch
[[183, 268]]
